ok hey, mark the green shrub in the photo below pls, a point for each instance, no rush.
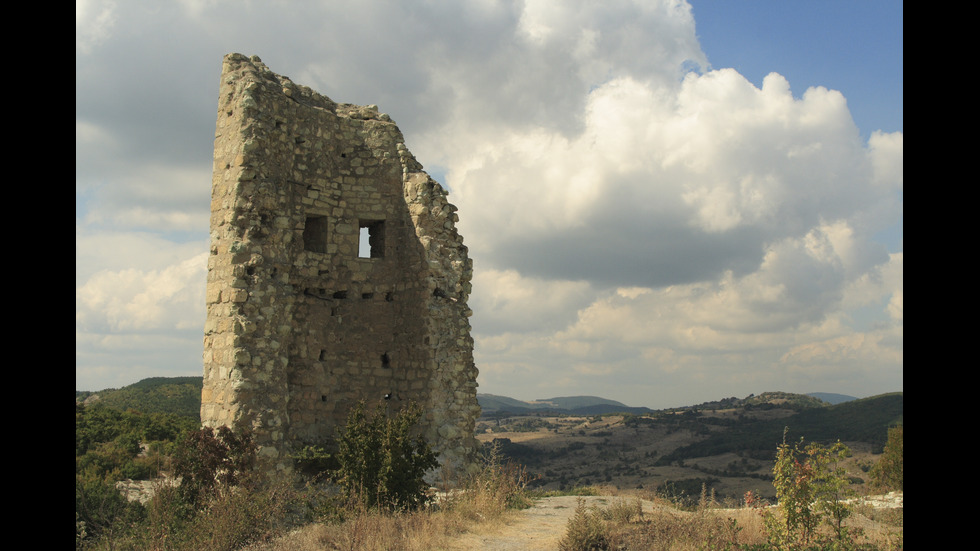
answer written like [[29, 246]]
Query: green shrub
[[206, 462], [230, 520], [313, 461], [382, 461], [100, 510], [888, 473]]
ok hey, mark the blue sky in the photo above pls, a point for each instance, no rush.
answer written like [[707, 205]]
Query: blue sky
[[855, 47], [665, 203]]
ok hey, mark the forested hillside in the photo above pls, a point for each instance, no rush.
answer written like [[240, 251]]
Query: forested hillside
[[178, 395]]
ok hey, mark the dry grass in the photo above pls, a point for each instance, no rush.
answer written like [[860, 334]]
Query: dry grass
[[485, 510], [672, 529], [372, 531], [627, 522], [666, 526], [481, 503]]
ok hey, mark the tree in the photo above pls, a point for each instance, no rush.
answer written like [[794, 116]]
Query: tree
[[381, 463], [887, 474], [811, 486]]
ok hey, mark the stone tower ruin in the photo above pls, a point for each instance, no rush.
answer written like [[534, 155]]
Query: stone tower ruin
[[336, 274]]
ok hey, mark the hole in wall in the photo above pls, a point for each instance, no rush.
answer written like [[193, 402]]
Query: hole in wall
[[315, 234], [340, 294], [367, 295], [371, 239], [323, 355], [385, 361]]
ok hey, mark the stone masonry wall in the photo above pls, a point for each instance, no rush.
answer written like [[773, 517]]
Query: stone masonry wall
[[300, 326]]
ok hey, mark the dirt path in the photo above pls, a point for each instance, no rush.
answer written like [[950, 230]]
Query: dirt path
[[538, 528]]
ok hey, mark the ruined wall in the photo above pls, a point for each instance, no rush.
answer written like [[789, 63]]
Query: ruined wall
[[300, 326]]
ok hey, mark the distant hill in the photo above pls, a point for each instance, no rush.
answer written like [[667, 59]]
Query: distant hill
[[859, 420], [832, 398], [574, 402], [492, 404], [495, 405], [772, 399], [726, 444], [180, 395]]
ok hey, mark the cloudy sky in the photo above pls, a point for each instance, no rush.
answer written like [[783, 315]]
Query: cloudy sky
[[666, 202]]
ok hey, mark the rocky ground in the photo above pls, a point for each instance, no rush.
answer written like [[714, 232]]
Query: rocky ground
[[542, 526]]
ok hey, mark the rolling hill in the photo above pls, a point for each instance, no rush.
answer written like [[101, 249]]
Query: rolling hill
[[726, 444], [180, 395], [578, 405]]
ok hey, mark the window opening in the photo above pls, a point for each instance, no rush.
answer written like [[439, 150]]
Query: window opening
[[315, 234], [371, 239]]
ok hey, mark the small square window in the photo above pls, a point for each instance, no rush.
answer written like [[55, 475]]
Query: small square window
[[315, 234], [371, 240]]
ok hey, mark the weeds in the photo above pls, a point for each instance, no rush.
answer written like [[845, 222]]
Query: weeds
[[624, 525], [587, 530], [672, 525], [624, 511], [496, 487]]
